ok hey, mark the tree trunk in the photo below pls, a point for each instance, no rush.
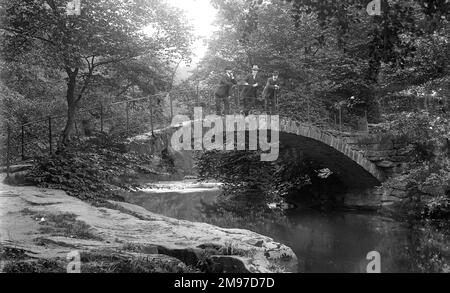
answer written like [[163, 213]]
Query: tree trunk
[[72, 105]]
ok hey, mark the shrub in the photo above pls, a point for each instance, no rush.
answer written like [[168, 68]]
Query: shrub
[[92, 169], [244, 174]]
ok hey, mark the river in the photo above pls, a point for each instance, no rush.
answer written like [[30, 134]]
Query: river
[[336, 242]]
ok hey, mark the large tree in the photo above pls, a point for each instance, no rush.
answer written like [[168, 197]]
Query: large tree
[[390, 38], [332, 50], [80, 46]]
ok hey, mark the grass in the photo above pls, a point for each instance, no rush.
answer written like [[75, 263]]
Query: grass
[[140, 248], [231, 248], [12, 253], [274, 268], [121, 209], [111, 262], [99, 262], [16, 260], [63, 224], [35, 266]]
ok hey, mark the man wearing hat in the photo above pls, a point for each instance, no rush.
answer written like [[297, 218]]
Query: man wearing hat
[[223, 91], [250, 93], [270, 92]]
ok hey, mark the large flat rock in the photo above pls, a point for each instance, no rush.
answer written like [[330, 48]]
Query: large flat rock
[[24, 211]]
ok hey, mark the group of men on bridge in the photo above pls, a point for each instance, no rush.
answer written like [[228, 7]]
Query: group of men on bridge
[[250, 100]]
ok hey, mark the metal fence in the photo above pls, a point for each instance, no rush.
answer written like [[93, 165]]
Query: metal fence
[[40, 137], [135, 116]]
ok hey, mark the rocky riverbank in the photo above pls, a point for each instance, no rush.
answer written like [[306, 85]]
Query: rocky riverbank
[[40, 227]]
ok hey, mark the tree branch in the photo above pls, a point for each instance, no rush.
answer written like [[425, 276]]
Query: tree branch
[[113, 61], [127, 87], [27, 34]]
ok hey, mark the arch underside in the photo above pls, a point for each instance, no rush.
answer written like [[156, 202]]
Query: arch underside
[[349, 165], [349, 171]]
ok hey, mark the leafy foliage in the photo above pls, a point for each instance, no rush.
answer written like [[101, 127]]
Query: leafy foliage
[[434, 183], [430, 170], [429, 251], [84, 49], [329, 51], [244, 175], [236, 169], [92, 170]]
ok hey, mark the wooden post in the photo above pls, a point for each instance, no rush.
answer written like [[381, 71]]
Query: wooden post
[[309, 109], [198, 85], [340, 119], [237, 99], [197, 99], [8, 149], [366, 121], [101, 117], [23, 142], [50, 141], [127, 114], [77, 132], [213, 103], [276, 101], [151, 116], [171, 106]]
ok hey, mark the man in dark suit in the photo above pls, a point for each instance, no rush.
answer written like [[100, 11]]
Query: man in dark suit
[[223, 91], [252, 84], [270, 93]]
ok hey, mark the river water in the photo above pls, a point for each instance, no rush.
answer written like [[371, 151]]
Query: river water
[[336, 242]]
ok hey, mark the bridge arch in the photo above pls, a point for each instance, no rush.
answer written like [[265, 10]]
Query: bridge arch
[[351, 165]]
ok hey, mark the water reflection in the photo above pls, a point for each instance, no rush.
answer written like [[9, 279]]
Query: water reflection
[[323, 242]]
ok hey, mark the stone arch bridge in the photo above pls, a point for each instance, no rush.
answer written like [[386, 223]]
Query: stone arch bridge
[[361, 160]]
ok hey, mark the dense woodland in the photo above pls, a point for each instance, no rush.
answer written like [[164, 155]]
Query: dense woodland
[[65, 81], [331, 55], [54, 63]]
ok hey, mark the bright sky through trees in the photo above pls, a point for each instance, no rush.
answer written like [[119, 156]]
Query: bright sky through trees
[[201, 14]]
